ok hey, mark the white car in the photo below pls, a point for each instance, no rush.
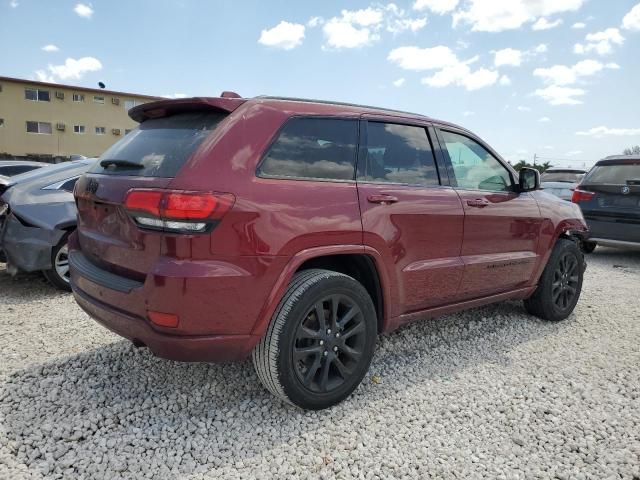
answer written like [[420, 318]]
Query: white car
[[561, 182]]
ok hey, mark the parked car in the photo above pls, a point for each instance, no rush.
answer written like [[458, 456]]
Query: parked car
[[561, 182], [37, 214], [295, 231], [609, 196], [9, 168]]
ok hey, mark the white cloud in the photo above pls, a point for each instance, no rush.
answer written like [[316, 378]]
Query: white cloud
[[14, 4], [83, 10], [544, 119], [315, 21], [401, 24], [461, 75], [505, 81], [399, 82], [631, 20], [556, 95], [603, 131], [549, 147], [573, 153], [175, 95], [354, 29], [285, 35], [415, 58], [523, 109], [600, 42], [579, 26], [72, 69], [541, 48], [544, 24], [507, 56], [468, 113], [436, 6], [495, 16], [564, 75], [50, 48]]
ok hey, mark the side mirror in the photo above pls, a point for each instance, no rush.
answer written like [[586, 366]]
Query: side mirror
[[529, 180]]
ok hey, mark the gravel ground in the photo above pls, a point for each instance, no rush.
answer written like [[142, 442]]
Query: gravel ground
[[490, 393]]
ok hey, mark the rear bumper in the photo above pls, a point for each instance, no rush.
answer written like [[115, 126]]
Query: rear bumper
[[205, 348], [616, 229]]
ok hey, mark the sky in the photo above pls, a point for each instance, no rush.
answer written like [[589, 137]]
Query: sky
[[557, 79]]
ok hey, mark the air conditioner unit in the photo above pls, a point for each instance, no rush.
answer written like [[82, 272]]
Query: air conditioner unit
[[60, 95], [115, 131], [60, 126], [115, 101]]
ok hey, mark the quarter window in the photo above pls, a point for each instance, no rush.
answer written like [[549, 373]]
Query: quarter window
[[397, 153], [323, 148], [78, 97], [39, 127], [101, 130], [473, 166], [78, 129], [36, 95]]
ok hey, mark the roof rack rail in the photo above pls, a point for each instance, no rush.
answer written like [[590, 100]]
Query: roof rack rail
[[329, 102]]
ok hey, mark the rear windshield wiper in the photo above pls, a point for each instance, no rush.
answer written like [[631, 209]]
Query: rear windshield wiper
[[120, 163]]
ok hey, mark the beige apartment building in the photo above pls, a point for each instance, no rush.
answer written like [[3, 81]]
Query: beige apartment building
[[49, 119]]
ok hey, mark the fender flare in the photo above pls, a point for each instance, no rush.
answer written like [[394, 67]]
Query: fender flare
[[280, 286]]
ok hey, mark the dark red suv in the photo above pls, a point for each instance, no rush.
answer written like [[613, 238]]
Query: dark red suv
[[297, 230]]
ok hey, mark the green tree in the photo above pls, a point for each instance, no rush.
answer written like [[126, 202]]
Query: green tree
[[541, 167], [635, 150]]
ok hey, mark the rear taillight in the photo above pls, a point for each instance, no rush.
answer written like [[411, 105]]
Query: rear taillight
[[581, 196], [177, 211]]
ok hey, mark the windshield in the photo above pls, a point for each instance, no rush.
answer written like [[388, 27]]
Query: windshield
[[616, 174], [569, 177], [159, 146]]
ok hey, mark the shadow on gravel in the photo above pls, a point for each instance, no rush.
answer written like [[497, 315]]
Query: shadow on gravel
[[119, 409], [25, 287]]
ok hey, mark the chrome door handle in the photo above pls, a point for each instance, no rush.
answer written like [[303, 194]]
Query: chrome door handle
[[382, 199]]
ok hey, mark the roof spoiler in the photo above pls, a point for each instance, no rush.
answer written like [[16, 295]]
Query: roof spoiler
[[164, 108]]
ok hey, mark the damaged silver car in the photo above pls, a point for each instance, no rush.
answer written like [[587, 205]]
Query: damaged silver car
[[37, 215]]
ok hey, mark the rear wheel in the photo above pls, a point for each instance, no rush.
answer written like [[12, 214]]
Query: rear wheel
[[588, 247], [58, 275], [560, 284], [320, 342]]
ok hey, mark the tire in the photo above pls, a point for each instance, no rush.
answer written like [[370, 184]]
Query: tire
[[327, 366], [588, 247], [563, 273], [58, 275]]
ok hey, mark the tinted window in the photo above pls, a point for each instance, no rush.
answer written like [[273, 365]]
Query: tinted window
[[161, 145], [397, 154], [69, 184], [313, 148], [15, 170], [615, 174], [473, 166]]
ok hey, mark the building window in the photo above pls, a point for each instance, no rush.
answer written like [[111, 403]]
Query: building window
[[100, 130], [78, 129], [98, 99], [39, 127], [129, 104], [1, 122], [36, 95], [78, 97]]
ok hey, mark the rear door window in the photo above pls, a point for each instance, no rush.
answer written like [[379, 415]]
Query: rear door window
[[161, 146], [396, 153], [314, 148], [615, 174]]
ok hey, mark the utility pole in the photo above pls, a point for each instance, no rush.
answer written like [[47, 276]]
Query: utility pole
[[535, 157]]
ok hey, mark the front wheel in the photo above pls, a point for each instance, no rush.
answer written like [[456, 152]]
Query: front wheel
[[560, 285], [320, 341], [58, 274]]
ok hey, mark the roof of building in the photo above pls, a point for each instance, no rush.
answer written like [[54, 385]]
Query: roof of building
[[76, 87]]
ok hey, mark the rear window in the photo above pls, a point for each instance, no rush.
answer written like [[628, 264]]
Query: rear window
[[568, 177], [322, 148], [619, 174], [161, 145]]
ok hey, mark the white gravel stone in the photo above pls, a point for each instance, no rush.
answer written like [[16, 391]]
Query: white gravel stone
[[489, 393]]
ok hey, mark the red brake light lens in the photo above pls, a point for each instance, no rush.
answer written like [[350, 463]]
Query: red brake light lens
[[191, 212], [581, 196], [147, 201]]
